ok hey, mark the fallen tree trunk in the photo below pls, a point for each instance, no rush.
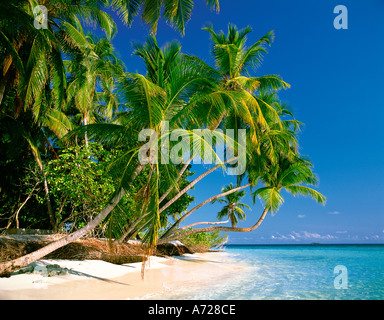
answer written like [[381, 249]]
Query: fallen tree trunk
[[6, 268]]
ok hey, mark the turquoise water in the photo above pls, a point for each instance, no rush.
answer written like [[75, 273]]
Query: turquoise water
[[299, 272]]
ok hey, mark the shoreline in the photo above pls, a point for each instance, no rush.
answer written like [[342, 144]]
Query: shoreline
[[96, 279]]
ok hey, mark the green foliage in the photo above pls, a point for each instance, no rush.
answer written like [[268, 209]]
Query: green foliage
[[287, 174], [204, 240], [43, 98], [79, 185]]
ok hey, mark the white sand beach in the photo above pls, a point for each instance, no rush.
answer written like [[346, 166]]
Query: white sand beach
[[96, 279]]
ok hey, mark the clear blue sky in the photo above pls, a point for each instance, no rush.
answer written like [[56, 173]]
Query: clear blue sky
[[337, 79]]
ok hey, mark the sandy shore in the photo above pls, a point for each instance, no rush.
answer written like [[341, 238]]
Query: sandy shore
[[95, 279]]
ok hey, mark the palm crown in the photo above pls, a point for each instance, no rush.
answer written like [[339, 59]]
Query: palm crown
[[290, 176], [233, 208]]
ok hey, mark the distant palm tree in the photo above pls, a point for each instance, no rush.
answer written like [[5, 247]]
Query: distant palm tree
[[232, 209]]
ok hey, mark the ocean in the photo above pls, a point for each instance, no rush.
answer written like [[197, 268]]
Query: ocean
[[297, 272]]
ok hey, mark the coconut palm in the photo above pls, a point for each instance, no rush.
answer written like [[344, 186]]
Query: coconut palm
[[288, 175], [93, 65], [233, 206], [233, 61], [32, 57], [279, 140]]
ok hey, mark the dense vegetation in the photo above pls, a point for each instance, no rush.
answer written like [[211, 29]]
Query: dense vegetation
[[71, 115]]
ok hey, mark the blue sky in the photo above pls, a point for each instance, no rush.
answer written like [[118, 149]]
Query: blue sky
[[337, 82]]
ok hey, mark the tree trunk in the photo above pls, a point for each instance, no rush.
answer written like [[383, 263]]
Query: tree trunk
[[207, 223], [6, 268], [85, 134], [185, 167], [46, 189], [177, 180], [22, 205], [132, 228], [210, 229], [187, 188], [169, 232], [49, 205], [2, 89]]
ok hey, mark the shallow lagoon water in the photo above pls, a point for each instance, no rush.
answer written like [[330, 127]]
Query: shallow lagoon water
[[297, 272]]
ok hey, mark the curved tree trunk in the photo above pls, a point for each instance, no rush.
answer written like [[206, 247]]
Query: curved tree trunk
[[207, 223], [39, 162], [187, 188], [171, 229], [132, 228], [210, 229], [186, 164], [6, 268]]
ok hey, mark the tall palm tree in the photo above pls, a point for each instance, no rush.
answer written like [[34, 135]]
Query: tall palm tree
[[233, 61], [233, 206], [93, 66]]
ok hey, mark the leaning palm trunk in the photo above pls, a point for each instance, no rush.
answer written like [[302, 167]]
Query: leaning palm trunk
[[132, 229], [177, 223], [187, 188], [6, 268], [49, 205], [186, 164], [224, 229], [206, 223], [177, 179]]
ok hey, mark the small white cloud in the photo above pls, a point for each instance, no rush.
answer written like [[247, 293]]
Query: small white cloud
[[303, 235], [342, 232], [334, 212], [301, 216]]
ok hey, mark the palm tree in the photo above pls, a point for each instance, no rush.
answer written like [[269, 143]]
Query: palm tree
[[173, 91], [287, 175], [233, 61], [93, 65], [233, 208], [33, 57], [279, 140]]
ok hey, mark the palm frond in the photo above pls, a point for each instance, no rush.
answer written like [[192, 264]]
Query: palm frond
[[254, 54], [126, 9], [270, 197], [306, 191], [178, 13]]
